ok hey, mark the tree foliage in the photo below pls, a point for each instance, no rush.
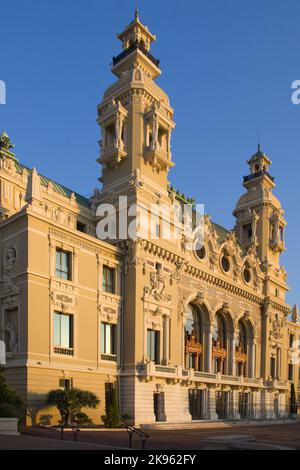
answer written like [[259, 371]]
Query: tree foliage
[[9, 398], [70, 402]]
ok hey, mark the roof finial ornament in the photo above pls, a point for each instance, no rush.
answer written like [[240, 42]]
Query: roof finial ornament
[[137, 16]]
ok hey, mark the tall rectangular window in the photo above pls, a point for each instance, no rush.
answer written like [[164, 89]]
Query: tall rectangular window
[[273, 367], [63, 331], [291, 372], [153, 343], [63, 265], [108, 279], [108, 338], [291, 340]]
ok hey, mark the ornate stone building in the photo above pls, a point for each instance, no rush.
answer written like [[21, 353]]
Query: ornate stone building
[[183, 335]]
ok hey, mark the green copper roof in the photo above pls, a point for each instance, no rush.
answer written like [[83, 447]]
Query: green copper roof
[[58, 188], [221, 231], [223, 234]]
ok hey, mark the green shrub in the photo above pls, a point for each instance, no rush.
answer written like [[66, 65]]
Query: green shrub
[[82, 419], [8, 411], [113, 419], [10, 402]]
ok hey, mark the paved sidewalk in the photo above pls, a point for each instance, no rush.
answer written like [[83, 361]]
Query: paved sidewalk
[[286, 434], [25, 442]]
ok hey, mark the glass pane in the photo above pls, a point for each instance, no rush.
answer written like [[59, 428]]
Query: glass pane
[[102, 338], [108, 339], [65, 331], [149, 344], [57, 329], [156, 346], [113, 332], [57, 259]]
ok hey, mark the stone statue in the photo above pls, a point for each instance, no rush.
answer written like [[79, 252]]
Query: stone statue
[[13, 337]]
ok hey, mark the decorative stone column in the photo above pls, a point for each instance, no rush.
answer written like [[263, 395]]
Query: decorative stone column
[[252, 359], [212, 414], [209, 361], [233, 342], [270, 405], [282, 406], [166, 339], [235, 405]]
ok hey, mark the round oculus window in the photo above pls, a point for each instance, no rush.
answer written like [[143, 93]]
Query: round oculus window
[[247, 275], [201, 253], [225, 264]]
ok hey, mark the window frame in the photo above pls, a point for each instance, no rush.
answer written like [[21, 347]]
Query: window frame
[[153, 355], [109, 289], [104, 326], [58, 268], [70, 332]]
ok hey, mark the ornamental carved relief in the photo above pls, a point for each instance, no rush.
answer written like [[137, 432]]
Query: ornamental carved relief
[[179, 269], [8, 289], [277, 325], [63, 301], [158, 287], [10, 259], [108, 314]]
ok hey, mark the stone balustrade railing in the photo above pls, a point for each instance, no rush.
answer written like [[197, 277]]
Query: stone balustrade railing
[[178, 373]]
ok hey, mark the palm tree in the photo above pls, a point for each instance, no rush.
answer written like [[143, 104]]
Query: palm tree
[[71, 401]]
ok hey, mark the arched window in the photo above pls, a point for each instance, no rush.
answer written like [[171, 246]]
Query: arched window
[[242, 336], [193, 338], [220, 331], [220, 343], [241, 350], [193, 322]]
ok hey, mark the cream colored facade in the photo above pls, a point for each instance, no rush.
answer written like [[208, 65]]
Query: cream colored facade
[[197, 335]]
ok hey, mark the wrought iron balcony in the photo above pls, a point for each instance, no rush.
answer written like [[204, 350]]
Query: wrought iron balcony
[[130, 49], [64, 351], [257, 174]]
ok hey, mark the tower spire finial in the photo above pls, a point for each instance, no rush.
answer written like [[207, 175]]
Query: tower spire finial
[[136, 15]]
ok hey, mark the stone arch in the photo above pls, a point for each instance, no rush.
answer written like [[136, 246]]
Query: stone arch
[[223, 339], [196, 299], [196, 333], [245, 352]]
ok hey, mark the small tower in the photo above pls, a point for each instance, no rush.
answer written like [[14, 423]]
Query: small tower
[[260, 220], [135, 116]]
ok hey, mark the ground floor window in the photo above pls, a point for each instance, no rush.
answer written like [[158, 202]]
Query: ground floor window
[[109, 387], [65, 384], [196, 404], [159, 407], [244, 405], [222, 405]]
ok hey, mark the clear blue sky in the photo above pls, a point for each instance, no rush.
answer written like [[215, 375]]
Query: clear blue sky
[[227, 66]]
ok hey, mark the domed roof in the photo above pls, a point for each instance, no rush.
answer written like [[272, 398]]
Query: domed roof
[[145, 80]]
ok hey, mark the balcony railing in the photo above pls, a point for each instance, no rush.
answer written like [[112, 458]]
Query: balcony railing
[[133, 47], [109, 357], [257, 174], [64, 351], [151, 370]]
